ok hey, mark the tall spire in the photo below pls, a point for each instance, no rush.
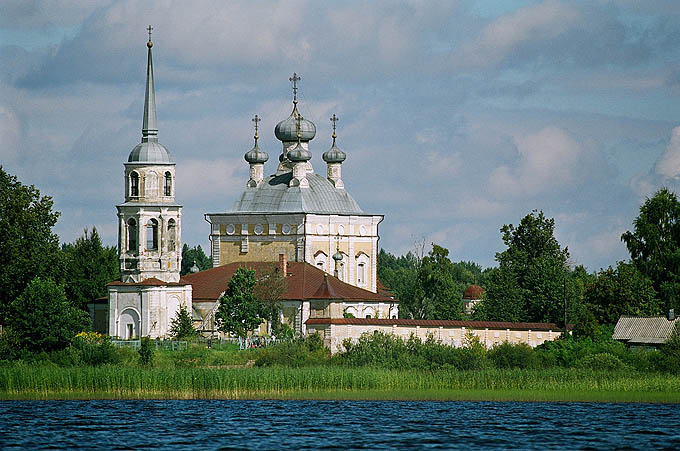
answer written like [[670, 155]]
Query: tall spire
[[149, 126]]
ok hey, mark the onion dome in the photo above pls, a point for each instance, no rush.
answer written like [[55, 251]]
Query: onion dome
[[286, 130], [334, 154], [149, 150], [255, 155], [299, 154], [473, 292], [337, 256], [194, 268]]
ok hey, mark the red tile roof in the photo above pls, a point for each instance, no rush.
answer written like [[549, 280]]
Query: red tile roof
[[436, 323], [304, 282], [473, 292]]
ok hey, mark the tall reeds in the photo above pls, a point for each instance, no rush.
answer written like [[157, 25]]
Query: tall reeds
[[23, 382]]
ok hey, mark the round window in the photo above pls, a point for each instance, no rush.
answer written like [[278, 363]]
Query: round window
[[231, 229], [258, 229]]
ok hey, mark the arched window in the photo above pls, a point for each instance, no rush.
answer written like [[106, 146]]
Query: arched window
[[132, 235], [361, 274], [134, 184], [168, 184], [320, 259], [152, 235], [172, 234], [362, 269]]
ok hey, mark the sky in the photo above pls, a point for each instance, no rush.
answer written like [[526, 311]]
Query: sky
[[457, 117]]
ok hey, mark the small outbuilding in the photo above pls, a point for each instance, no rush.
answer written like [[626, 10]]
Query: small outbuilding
[[651, 331]]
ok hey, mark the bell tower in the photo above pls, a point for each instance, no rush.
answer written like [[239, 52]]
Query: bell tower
[[149, 221]]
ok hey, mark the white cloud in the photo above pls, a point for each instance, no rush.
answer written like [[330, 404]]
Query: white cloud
[[669, 163], [547, 160], [526, 26]]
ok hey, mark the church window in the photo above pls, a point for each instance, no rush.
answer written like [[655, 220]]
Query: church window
[[362, 269], [172, 234], [368, 316], [168, 184], [152, 235], [132, 235], [361, 274], [134, 184]]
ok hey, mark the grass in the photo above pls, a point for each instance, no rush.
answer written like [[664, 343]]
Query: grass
[[329, 382]]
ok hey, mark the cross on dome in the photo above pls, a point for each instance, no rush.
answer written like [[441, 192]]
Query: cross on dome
[[334, 119], [256, 119], [295, 79]]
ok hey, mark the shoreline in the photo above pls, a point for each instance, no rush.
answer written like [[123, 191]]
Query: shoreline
[[456, 395]]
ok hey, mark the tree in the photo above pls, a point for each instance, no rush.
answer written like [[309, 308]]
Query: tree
[[191, 254], [182, 325], [440, 296], [89, 267], [532, 275], [43, 319], [621, 291], [269, 289], [654, 245], [28, 248], [400, 274], [240, 311]]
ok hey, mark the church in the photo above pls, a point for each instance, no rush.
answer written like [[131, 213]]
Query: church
[[304, 224]]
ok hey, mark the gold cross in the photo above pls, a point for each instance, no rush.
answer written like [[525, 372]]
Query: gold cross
[[298, 119]]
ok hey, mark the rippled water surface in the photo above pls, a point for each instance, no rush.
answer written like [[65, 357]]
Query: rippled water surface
[[335, 424]]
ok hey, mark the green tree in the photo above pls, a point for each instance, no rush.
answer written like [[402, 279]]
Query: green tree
[[240, 311], [269, 290], [440, 296], [654, 245], [400, 275], [621, 291], [89, 267], [43, 319], [182, 325], [191, 254], [28, 248], [146, 351], [532, 275]]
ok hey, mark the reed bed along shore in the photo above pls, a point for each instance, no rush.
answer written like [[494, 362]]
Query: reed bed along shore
[[328, 382]]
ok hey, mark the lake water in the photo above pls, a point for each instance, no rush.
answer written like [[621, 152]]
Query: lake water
[[335, 424]]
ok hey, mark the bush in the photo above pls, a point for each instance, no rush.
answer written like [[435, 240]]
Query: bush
[[146, 351], [509, 355], [601, 361], [388, 351], [308, 351], [94, 349]]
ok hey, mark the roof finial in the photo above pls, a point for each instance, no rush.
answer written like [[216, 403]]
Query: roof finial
[[295, 79], [149, 44], [256, 119], [334, 119]]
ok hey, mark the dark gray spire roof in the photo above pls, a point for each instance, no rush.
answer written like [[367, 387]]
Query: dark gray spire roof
[[149, 150]]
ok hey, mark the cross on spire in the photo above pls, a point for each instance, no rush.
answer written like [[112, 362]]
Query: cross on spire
[[149, 29], [334, 119], [256, 119], [295, 79]]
